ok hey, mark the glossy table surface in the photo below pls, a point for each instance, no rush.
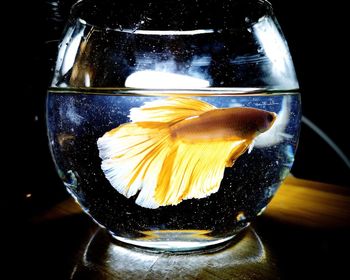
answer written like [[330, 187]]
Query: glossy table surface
[[303, 234]]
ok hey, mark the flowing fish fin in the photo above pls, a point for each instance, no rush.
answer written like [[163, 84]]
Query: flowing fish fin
[[238, 151], [170, 110], [141, 158], [195, 170], [132, 158]]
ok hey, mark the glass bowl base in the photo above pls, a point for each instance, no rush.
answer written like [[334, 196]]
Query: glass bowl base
[[176, 241]]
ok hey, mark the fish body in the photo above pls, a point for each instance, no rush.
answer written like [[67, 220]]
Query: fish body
[[227, 124], [177, 148]]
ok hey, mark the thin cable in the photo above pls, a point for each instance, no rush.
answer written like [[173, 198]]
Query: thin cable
[[328, 140]]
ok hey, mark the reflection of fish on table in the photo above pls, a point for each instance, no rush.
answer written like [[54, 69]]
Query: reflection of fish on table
[[178, 148]]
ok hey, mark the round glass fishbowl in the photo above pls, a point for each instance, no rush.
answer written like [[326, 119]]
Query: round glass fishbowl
[[173, 123]]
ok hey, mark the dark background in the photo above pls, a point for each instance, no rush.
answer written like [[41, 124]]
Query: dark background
[[316, 33]]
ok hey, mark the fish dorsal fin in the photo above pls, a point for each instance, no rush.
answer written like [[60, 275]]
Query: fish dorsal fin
[[170, 110]]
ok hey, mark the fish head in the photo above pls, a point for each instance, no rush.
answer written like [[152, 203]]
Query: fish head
[[248, 122], [265, 121]]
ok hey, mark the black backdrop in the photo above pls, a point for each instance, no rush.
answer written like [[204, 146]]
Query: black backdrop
[[316, 32]]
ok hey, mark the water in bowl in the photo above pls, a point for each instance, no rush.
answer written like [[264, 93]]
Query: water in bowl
[[78, 118]]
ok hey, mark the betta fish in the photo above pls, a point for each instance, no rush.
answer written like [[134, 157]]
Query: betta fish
[[177, 148]]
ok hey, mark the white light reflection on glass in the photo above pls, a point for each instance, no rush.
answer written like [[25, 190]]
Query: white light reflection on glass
[[276, 49], [164, 80], [277, 133], [71, 52], [87, 79], [67, 52]]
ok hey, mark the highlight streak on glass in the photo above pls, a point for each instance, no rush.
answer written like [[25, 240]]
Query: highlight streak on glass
[[169, 32], [161, 80]]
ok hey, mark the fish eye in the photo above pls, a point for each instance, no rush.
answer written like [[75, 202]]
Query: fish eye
[[269, 117]]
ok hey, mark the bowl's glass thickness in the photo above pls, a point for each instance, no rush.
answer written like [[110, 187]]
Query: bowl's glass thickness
[[141, 173]]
